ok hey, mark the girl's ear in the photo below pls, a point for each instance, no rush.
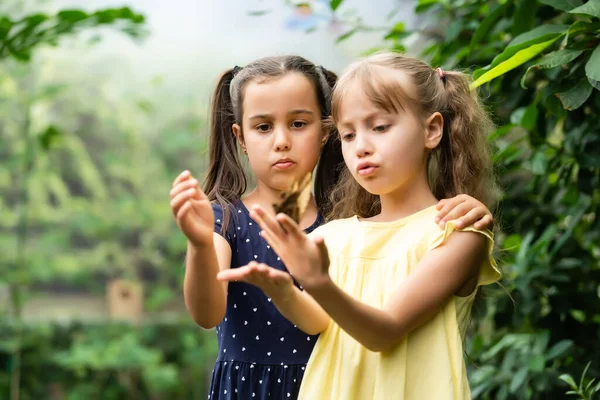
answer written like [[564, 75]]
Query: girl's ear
[[237, 132], [434, 129], [326, 132]]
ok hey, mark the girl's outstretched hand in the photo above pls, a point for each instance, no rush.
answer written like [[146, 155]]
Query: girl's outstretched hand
[[276, 284], [306, 258], [192, 210], [467, 210]]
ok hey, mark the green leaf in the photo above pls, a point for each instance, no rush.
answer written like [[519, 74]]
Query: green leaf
[[595, 84], [346, 35], [5, 26], [399, 27], [535, 36], [524, 16], [552, 60], [518, 379], [589, 385], [569, 380], [592, 67], [72, 16], [334, 4], [397, 32], [500, 132], [537, 363], [529, 119], [484, 28], [424, 5], [592, 8], [518, 59], [585, 370], [20, 54], [539, 34], [577, 315], [559, 349], [574, 98], [35, 19], [557, 58], [453, 30], [564, 5], [48, 137]]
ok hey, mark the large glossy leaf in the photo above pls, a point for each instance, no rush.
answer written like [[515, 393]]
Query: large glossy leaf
[[574, 98], [552, 60], [564, 5], [539, 35], [592, 68], [515, 61], [592, 8]]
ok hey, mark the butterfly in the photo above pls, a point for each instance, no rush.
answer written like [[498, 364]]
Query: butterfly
[[294, 201]]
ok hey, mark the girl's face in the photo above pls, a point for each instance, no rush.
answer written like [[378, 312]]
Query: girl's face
[[281, 129], [385, 152]]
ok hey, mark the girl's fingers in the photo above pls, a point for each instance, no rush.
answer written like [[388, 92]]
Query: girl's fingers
[[183, 186], [234, 274], [323, 253], [471, 217], [180, 215], [440, 204], [273, 242], [181, 177], [180, 199], [290, 226], [457, 212], [265, 220], [447, 206], [487, 222]]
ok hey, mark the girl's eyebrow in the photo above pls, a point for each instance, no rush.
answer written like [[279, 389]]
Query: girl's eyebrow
[[300, 111], [259, 116], [293, 112], [368, 118]]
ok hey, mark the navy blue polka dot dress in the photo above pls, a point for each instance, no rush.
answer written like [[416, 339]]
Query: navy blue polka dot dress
[[261, 354]]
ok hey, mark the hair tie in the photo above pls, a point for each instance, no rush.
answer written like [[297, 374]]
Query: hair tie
[[236, 69], [441, 73]]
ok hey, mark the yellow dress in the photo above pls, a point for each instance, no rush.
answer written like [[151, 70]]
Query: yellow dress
[[368, 261]]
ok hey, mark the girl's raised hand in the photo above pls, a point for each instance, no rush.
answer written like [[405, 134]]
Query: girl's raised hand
[[192, 210], [306, 258], [467, 210], [276, 284]]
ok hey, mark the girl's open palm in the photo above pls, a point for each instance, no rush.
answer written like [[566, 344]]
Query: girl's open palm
[[306, 258], [276, 284], [192, 210]]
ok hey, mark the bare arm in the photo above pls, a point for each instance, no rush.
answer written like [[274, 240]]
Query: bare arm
[[295, 305], [302, 310], [443, 272], [206, 297]]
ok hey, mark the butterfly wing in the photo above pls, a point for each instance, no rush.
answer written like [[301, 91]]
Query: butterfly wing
[[294, 202]]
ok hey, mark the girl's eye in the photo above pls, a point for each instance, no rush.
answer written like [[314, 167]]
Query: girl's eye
[[381, 128], [347, 136], [263, 127], [299, 124]]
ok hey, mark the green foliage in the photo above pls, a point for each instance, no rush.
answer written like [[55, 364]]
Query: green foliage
[[83, 200], [538, 66], [586, 389], [18, 37], [109, 361]]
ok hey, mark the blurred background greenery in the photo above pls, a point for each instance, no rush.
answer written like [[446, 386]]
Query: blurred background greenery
[[103, 102]]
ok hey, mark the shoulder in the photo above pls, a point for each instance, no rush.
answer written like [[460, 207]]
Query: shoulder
[[334, 227], [469, 245]]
